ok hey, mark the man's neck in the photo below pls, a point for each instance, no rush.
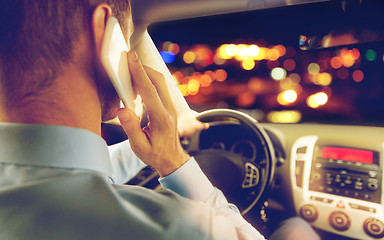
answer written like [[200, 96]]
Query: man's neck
[[71, 101]]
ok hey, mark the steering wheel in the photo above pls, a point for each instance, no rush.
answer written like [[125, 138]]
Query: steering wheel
[[236, 154]]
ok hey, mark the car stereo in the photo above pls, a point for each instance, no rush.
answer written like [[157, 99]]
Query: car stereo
[[338, 188]]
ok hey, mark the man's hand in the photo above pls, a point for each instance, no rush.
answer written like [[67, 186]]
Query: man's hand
[[187, 124], [158, 143]]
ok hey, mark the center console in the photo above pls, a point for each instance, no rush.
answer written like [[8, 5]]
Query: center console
[[338, 188]]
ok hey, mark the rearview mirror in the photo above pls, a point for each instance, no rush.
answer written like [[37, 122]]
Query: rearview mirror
[[363, 23]]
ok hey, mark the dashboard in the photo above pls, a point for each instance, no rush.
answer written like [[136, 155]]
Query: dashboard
[[329, 175], [335, 176]]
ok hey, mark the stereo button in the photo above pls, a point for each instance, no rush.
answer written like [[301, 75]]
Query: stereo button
[[339, 221], [374, 228], [309, 212], [373, 185]]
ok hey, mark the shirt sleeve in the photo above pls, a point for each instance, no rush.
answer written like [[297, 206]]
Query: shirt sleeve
[[124, 163], [189, 181]]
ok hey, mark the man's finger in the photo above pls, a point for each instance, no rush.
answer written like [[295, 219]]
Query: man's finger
[[159, 81], [146, 89], [132, 128]]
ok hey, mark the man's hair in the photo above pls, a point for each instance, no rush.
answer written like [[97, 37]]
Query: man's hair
[[37, 38]]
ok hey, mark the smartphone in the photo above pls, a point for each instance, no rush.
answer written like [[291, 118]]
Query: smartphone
[[114, 52]]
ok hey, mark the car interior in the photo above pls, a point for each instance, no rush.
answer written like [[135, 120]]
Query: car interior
[[293, 93]]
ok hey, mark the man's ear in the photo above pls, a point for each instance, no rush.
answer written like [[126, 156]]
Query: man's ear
[[99, 20]]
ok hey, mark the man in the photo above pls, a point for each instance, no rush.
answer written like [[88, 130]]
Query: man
[[55, 168]]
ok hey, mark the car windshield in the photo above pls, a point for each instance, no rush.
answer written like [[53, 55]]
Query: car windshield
[[256, 62]]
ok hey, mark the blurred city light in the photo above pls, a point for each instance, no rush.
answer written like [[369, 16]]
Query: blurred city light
[[221, 75], [248, 64], [313, 68], [287, 116], [253, 50], [278, 73], [245, 99], [370, 55], [336, 62], [273, 54], [189, 57], [168, 57], [287, 97], [174, 48], [231, 50], [193, 86], [281, 49], [316, 100], [218, 60], [358, 76]]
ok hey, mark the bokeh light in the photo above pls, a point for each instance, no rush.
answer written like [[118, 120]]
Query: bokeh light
[[168, 57], [370, 55], [281, 49], [231, 50], [336, 62], [220, 75], [189, 57], [174, 48], [358, 76], [193, 86], [278, 73], [313, 68], [286, 116], [316, 100], [245, 99], [273, 54], [253, 50], [287, 97], [248, 64]]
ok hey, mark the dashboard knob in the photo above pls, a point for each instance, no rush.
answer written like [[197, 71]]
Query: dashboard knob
[[309, 212], [374, 227], [339, 221]]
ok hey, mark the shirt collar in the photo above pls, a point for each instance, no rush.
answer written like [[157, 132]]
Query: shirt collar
[[53, 146]]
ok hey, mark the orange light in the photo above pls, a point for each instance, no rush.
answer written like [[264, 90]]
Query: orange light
[[336, 62], [206, 80], [174, 48], [221, 75], [348, 60], [178, 76], [245, 99], [273, 54], [281, 49]]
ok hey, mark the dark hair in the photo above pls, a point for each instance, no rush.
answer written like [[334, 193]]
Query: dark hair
[[37, 38]]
